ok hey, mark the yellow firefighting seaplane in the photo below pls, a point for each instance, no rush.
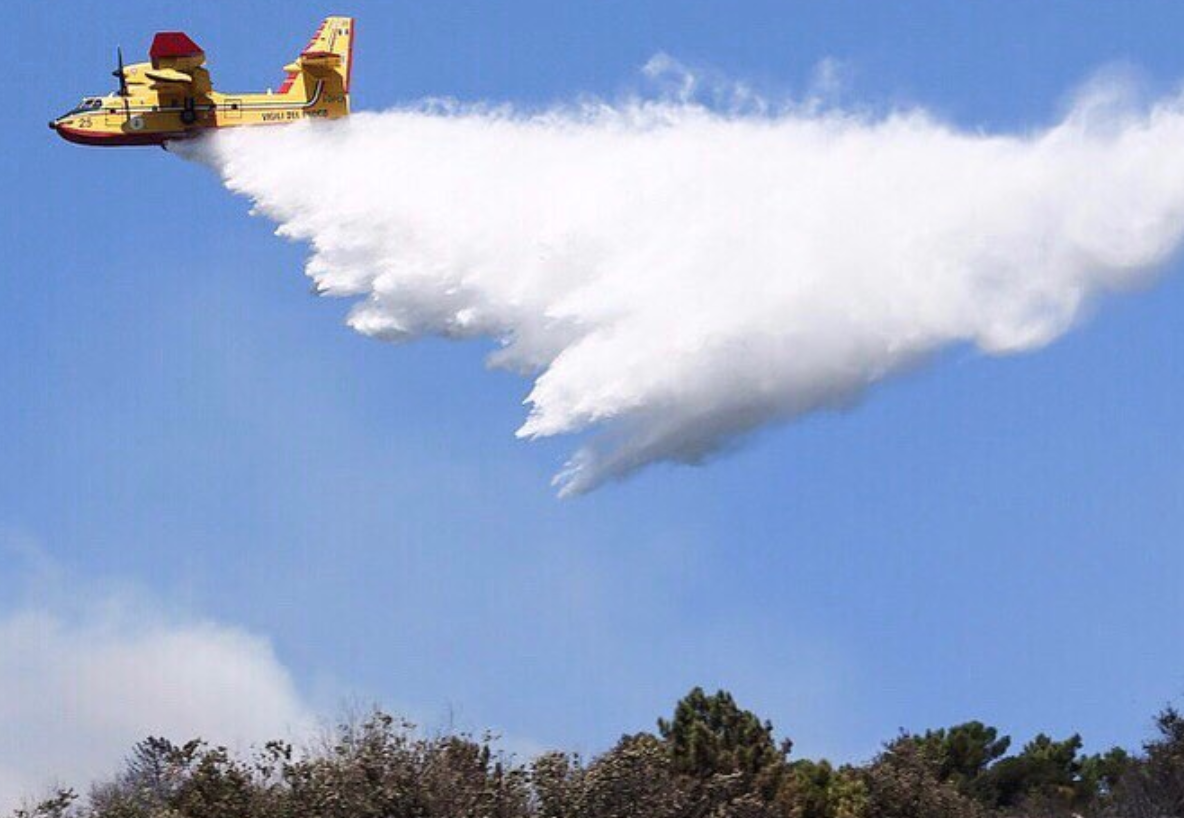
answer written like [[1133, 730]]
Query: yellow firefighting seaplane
[[171, 96]]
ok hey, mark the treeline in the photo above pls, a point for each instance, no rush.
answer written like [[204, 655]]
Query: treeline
[[711, 759]]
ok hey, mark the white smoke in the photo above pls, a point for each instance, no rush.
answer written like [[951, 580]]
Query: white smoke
[[77, 692], [675, 277]]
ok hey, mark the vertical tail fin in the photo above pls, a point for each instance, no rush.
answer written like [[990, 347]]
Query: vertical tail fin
[[327, 59]]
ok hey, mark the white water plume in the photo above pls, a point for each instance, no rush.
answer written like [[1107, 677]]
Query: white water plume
[[673, 277]]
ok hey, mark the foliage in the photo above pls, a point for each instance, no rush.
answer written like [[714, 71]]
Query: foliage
[[710, 759], [711, 735], [905, 782]]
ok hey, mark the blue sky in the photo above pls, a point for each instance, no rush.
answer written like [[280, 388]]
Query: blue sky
[[988, 538]]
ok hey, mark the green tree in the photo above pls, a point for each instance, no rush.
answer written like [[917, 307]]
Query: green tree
[[964, 752], [815, 789], [1046, 769], [712, 735], [1101, 774]]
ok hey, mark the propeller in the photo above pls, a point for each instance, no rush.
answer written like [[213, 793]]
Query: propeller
[[123, 92]]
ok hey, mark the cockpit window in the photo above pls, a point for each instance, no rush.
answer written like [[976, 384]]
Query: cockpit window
[[88, 104]]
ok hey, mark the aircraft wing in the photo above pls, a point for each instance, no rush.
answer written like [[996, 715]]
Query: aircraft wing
[[176, 60], [175, 51]]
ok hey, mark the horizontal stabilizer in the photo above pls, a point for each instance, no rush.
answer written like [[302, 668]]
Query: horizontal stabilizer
[[319, 62], [326, 59]]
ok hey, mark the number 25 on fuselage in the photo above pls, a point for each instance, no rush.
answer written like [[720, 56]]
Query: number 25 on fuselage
[[171, 96]]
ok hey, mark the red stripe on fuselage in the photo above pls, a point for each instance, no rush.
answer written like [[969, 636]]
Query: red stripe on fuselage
[[114, 140]]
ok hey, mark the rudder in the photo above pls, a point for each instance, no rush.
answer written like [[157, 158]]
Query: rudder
[[327, 59]]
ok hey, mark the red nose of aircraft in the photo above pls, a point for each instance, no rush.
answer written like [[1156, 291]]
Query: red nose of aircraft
[[59, 127], [67, 131]]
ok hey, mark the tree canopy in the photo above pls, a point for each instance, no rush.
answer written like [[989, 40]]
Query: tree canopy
[[710, 759]]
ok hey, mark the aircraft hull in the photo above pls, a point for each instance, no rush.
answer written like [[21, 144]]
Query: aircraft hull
[[114, 140]]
